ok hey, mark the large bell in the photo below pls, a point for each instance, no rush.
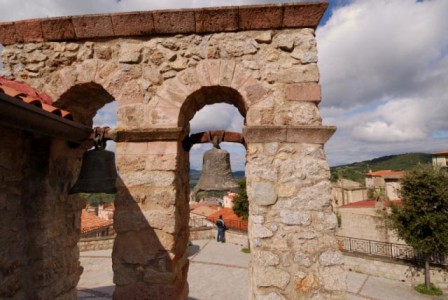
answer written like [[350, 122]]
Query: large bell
[[216, 172], [98, 173]]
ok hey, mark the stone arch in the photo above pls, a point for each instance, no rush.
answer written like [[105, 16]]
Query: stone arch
[[100, 81], [211, 81]]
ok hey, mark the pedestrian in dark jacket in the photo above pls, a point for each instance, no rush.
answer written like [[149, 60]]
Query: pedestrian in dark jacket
[[221, 229]]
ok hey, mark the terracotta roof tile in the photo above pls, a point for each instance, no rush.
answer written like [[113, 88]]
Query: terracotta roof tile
[[91, 222], [230, 218], [370, 203], [382, 173], [441, 153], [27, 94]]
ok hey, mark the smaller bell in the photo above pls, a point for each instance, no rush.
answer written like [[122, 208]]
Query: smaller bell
[[98, 173], [216, 174]]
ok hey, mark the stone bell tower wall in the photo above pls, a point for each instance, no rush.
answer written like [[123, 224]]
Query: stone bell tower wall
[[162, 67]]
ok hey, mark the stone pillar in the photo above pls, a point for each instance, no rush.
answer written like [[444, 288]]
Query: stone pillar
[[291, 225], [149, 258], [39, 223]]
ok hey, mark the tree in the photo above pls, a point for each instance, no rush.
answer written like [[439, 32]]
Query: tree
[[240, 203], [422, 220]]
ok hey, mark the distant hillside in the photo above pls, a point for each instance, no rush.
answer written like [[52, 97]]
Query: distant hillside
[[357, 170], [196, 174]]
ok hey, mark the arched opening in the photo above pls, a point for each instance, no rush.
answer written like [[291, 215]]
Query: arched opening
[[93, 106], [213, 109]]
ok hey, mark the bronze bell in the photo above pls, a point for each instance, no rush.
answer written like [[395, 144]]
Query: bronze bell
[[98, 173], [216, 172]]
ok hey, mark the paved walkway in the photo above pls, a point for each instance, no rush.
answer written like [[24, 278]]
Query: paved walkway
[[219, 272]]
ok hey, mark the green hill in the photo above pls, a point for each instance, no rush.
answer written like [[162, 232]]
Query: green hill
[[400, 162], [196, 174]]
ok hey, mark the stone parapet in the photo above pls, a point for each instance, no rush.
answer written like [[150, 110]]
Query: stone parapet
[[288, 134], [180, 21]]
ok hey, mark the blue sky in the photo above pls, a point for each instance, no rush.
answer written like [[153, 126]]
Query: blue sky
[[383, 66]]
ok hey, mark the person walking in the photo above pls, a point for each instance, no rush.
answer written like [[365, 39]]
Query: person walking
[[221, 229]]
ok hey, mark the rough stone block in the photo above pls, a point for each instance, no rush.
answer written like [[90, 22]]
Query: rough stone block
[[263, 193], [8, 34], [305, 15], [264, 134], [295, 218], [331, 258], [216, 19], [260, 17], [271, 277], [90, 26], [174, 21], [130, 53], [30, 30], [133, 24], [309, 91], [55, 29], [310, 134], [259, 231]]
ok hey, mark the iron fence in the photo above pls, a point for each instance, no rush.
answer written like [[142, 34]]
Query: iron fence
[[383, 249], [239, 225]]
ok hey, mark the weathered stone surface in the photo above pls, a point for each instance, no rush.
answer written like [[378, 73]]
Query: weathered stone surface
[[130, 53], [263, 193], [331, 258], [180, 21], [30, 30], [270, 296], [295, 218], [307, 15], [307, 284], [303, 92], [216, 19], [89, 26], [253, 17], [8, 34], [296, 74], [271, 277], [316, 197], [130, 24], [264, 37], [55, 29], [260, 231], [265, 258]]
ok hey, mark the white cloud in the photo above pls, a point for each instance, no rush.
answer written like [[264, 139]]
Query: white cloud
[[383, 64], [219, 116], [384, 73]]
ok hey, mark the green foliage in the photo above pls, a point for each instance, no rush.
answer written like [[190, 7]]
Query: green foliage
[[356, 171], [378, 194], [98, 198], [339, 219], [245, 250], [433, 291], [422, 220], [241, 203]]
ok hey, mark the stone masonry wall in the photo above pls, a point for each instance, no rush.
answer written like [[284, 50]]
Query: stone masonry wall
[[40, 227], [159, 83], [292, 224]]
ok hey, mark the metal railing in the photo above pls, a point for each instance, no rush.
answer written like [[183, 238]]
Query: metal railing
[[383, 249], [210, 223]]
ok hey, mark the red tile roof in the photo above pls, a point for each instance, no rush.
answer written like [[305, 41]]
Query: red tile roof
[[91, 222], [230, 218], [370, 203], [382, 173], [441, 153], [25, 93]]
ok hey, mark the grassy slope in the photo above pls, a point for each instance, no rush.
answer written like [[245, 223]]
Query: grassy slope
[[357, 170]]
